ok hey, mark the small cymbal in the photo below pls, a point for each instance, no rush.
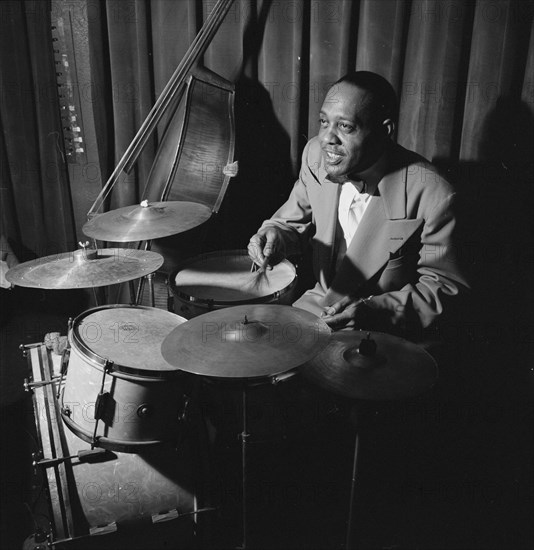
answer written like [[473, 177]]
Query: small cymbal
[[249, 341], [397, 369], [85, 268], [145, 221]]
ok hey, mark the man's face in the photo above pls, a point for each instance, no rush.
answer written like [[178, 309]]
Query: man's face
[[352, 138]]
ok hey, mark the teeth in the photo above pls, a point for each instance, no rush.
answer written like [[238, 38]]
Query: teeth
[[332, 156]]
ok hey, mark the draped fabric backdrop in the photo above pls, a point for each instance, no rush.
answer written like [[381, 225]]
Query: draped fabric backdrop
[[464, 71]]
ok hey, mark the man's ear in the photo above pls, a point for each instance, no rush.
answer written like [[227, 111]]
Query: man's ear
[[389, 127]]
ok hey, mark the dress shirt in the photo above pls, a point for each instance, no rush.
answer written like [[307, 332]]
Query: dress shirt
[[353, 201], [355, 197]]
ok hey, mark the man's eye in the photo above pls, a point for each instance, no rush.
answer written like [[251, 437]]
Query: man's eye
[[323, 122], [346, 127]]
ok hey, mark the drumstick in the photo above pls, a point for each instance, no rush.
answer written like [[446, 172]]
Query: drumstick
[[255, 268], [263, 266], [259, 274]]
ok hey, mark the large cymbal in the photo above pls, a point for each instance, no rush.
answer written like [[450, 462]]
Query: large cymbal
[[396, 370], [85, 268], [145, 221], [249, 341]]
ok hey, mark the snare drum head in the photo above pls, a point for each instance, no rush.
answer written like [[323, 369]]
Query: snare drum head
[[226, 277], [127, 335]]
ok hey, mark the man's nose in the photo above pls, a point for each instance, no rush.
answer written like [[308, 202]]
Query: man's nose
[[330, 136]]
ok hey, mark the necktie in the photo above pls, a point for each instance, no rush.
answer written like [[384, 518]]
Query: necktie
[[353, 209]]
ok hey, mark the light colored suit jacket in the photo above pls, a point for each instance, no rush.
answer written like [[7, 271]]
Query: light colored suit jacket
[[402, 252]]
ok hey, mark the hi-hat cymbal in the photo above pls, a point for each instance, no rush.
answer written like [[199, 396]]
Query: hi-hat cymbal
[[396, 369], [85, 268], [145, 221], [249, 341]]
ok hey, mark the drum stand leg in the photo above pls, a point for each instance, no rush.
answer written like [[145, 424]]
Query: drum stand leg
[[244, 436], [132, 293], [150, 278], [98, 295], [349, 544], [141, 288]]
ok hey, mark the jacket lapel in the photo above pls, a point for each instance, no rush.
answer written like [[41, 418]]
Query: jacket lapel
[[330, 201], [382, 231], [367, 252]]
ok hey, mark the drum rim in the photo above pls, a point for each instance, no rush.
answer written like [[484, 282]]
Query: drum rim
[[109, 443], [117, 369], [228, 303], [253, 381]]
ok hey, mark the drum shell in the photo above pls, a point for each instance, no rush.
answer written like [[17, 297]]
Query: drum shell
[[189, 305], [139, 409], [130, 488], [143, 406]]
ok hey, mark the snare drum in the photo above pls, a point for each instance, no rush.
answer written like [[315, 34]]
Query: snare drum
[[223, 279], [115, 352]]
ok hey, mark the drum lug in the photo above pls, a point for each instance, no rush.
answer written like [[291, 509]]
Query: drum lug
[[29, 385], [65, 410], [165, 516], [25, 347], [144, 410], [101, 403], [275, 380], [37, 541], [36, 457], [103, 529]]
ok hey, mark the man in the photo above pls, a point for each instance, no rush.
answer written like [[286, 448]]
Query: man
[[379, 217]]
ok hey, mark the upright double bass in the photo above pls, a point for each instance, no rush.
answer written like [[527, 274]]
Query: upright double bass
[[195, 156]]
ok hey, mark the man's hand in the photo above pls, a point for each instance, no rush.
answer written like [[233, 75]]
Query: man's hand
[[4, 268], [268, 245], [348, 312]]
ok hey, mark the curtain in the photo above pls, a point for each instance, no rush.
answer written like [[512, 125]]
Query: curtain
[[36, 206], [463, 71]]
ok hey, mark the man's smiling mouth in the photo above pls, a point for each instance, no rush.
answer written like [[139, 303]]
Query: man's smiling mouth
[[333, 158]]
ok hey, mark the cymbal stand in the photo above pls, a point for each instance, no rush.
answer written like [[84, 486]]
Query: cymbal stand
[[244, 437], [349, 544], [141, 287], [98, 292], [132, 292]]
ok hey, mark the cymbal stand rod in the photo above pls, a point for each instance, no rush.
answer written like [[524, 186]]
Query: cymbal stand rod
[[150, 278], [244, 436], [349, 544], [141, 289], [141, 286], [132, 293], [95, 296]]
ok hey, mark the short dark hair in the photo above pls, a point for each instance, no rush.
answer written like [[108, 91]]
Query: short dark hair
[[384, 97]]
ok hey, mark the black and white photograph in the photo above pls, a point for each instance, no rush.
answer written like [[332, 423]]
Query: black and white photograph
[[267, 274]]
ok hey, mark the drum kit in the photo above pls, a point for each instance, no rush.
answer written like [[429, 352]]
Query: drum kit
[[120, 385]]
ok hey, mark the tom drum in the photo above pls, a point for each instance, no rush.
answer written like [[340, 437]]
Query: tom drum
[[116, 373], [224, 279]]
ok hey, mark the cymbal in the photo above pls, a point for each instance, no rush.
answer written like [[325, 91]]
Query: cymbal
[[396, 369], [249, 341], [85, 268], [145, 221]]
